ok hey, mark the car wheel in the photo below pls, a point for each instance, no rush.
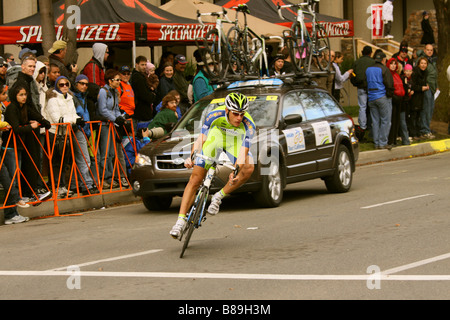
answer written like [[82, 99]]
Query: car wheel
[[154, 203], [341, 180], [271, 193]]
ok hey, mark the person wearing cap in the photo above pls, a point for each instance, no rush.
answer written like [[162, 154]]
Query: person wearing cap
[[95, 68], [180, 82], [200, 83], [26, 50], [428, 32], [126, 93], [277, 66], [359, 80], [402, 55], [380, 88], [57, 54]]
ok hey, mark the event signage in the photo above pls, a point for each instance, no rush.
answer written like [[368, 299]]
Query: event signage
[[180, 32], [85, 33]]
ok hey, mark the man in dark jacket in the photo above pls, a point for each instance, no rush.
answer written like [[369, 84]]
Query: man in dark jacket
[[359, 81], [380, 88], [57, 54], [144, 95]]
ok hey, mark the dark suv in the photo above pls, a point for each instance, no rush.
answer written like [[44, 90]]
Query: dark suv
[[302, 134]]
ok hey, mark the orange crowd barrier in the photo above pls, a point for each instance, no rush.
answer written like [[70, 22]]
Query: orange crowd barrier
[[98, 146]]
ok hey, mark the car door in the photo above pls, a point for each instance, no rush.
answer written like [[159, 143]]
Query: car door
[[298, 138], [321, 128]]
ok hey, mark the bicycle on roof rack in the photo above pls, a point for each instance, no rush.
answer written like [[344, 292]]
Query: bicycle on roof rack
[[248, 46], [304, 45], [214, 47]]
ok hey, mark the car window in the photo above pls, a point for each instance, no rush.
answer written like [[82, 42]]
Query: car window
[[311, 104], [292, 105], [329, 106]]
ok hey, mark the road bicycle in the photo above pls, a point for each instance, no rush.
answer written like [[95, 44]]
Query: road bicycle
[[197, 214], [214, 46], [304, 46], [249, 48]]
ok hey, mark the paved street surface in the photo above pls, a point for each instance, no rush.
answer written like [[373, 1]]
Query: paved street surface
[[388, 238]]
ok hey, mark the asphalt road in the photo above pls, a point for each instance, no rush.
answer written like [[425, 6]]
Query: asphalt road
[[388, 238]]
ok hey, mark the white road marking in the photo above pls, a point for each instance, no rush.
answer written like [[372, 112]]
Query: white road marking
[[416, 264], [235, 276], [395, 201], [386, 275], [111, 259]]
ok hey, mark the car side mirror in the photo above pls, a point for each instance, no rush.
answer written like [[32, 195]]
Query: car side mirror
[[292, 119]]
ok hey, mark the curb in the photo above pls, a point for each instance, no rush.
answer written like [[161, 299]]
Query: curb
[[403, 152]]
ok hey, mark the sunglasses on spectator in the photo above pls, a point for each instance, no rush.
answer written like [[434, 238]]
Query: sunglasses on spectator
[[4, 65], [63, 84], [115, 79], [83, 83]]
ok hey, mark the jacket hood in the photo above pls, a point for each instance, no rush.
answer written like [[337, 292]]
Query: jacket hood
[[389, 63], [39, 66], [99, 50]]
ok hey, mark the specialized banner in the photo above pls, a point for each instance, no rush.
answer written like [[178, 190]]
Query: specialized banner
[[85, 33]]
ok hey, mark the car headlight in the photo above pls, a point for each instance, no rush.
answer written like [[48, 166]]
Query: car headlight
[[142, 160]]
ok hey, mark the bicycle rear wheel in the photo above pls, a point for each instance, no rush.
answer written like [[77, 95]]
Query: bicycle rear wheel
[[194, 218], [298, 46], [238, 51]]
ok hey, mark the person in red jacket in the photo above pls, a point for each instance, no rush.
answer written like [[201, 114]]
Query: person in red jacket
[[397, 99], [95, 68]]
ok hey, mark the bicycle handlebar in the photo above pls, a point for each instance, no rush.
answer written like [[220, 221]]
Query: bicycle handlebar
[[293, 5], [222, 13]]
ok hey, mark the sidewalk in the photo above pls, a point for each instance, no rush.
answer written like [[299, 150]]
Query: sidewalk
[[103, 200]]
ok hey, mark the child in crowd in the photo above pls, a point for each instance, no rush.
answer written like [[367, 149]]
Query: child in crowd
[[11, 193], [405, 110]]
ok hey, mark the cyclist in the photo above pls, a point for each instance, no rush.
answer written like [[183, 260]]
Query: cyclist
[[229, 128]]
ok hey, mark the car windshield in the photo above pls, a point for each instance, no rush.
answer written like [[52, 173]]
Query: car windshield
[[263, 110]]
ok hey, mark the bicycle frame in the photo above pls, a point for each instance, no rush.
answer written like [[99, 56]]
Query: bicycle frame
[[258, 43], [310, 44], [216, 54], [194, 220]]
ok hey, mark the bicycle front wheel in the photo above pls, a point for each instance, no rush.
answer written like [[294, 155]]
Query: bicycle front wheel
[[194, 218]]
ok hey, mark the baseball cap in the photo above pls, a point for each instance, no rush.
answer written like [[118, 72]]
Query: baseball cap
[[179, 58], [379, 56], [57, 45], [25, 50], [125, 69]]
